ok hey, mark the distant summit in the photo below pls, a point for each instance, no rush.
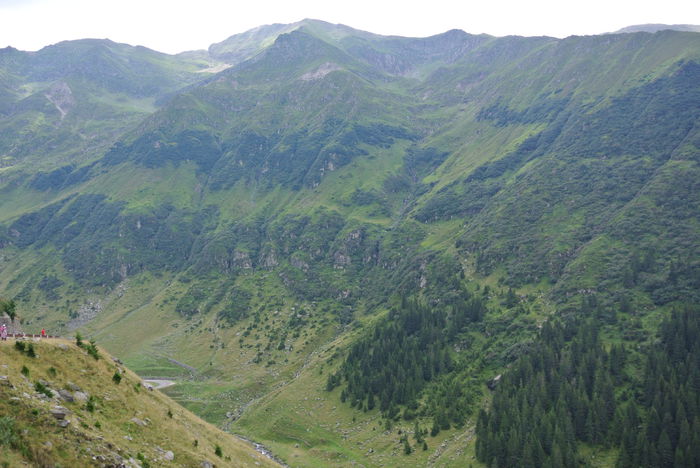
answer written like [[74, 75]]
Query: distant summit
[[652, 28]]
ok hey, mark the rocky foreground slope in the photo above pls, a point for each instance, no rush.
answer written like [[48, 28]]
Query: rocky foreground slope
[[59, 406]]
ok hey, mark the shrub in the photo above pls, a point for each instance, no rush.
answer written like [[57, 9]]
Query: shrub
[[41, 388], [142, 459], [25, 371], [92, 350], [20, 346], [217, 451], [8, 433], [30, 351], [117, 377]]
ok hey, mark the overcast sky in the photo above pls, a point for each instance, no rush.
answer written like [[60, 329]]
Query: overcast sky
[[176, 25]]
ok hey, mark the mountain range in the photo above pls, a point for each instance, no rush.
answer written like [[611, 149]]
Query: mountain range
[[332, 239]]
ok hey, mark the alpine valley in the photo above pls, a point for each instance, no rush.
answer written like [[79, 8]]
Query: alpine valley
[[364, 250]]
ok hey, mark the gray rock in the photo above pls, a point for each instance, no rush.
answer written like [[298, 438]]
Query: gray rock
[[59, 412], [80, 396], [74, 387], [63, 346], [169, 455], [66, 396], [207, 464], [63, 423], [139, 422], [5, 381]]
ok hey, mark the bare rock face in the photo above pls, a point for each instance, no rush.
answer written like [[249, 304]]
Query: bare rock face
[[80, 396], [61, 96], [320, 72], [139, 422]]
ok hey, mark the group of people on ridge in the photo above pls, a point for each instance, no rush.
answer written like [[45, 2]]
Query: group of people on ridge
[[3, 332]]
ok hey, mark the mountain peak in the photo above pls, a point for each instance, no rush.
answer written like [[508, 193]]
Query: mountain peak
[[655, 27]]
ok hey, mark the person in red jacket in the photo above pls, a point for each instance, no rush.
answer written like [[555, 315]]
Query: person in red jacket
[[43, 333]]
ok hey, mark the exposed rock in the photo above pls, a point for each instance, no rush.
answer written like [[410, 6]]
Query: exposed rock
[[66, 395], [61, 96], [320, 72], [73, 387], [241, 259], [493, 383], [166, 455], [207, 464], [63, 423], [80, 396], [139, 422], [59, 412], [5, 382]]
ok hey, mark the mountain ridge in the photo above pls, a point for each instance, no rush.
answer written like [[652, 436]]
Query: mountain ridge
[[263, 223]]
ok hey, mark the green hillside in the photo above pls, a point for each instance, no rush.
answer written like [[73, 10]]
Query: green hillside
[[335, 243], [62, 407]]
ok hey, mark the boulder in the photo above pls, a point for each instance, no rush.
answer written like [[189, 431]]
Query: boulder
[[74, 387], [66, 395], [59, 412], [139, 422], [80, 396]]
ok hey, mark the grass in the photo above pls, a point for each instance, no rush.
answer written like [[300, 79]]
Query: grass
[[110, 423]]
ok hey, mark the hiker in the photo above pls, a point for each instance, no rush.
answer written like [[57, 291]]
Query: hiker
[[43, 333], [3, 332]]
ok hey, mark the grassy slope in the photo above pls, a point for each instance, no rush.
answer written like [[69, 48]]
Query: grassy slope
[[227, 375], [108, 429]]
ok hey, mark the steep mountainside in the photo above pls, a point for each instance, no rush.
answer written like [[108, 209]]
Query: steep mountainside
[[342, 237], [62, 407]]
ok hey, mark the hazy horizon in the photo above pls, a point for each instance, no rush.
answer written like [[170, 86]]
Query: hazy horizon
[[174, 27]]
